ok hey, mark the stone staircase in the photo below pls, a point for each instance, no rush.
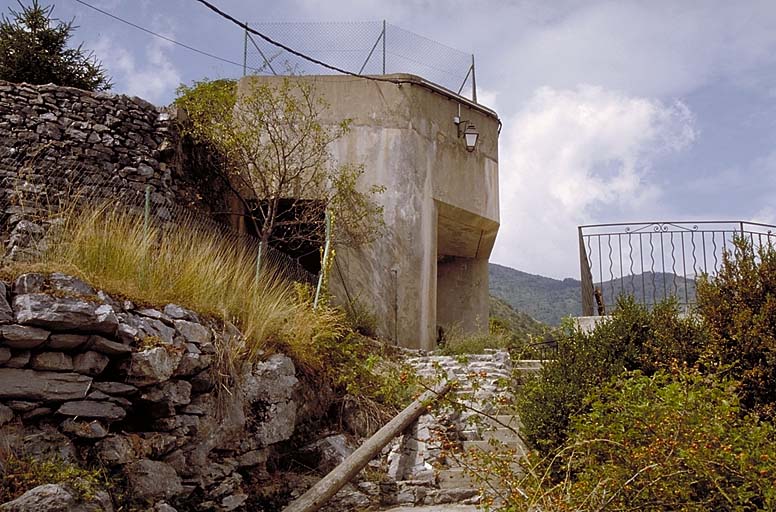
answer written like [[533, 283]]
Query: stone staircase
[[482, 423]]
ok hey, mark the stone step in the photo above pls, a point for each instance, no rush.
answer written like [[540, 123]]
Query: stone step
[[454, 478], [489, 446], [502, 435], [499, 420]]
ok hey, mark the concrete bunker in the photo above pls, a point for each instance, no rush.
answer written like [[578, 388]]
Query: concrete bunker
[[441, 206]]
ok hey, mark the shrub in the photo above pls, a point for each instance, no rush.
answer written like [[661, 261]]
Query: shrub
[[739, 307], [667, 442], [634, 338]]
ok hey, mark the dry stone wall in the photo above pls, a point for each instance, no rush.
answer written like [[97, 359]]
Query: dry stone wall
[[56, 142], [90, 379]]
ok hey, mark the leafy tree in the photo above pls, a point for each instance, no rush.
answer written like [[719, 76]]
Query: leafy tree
[[33, 49], [275, 149]]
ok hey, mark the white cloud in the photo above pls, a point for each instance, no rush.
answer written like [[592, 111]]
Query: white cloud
[[572, 155], [151, 75]]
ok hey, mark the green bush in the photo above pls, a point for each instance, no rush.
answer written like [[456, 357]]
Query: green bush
[[739, 307], [633, 339], [667, 442]]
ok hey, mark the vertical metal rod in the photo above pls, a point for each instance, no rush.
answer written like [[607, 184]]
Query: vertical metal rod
[[684, 269], [663, 259], [703, 241], [600, 266], [146, 227], [395, 305], [146, 212], [384, 34], [258, 261], [622, 276], [585, 276], [641, 258], [245, 50], [326, 250], [474, 82]]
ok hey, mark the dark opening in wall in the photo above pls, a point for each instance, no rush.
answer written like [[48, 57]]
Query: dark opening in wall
[[299, 230]]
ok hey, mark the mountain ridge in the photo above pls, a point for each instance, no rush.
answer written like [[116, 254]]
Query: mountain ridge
[[548, 300]]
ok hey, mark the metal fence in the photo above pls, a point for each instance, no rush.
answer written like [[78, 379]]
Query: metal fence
[[369, 48], [37, 186], [653, 261]]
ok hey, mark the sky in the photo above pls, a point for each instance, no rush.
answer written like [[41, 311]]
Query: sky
[[612, 111]]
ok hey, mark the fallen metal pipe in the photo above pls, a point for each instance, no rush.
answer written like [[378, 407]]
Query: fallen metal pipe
[[328, 486]]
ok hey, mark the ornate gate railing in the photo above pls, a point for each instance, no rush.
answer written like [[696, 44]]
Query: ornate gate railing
[[656, 260]]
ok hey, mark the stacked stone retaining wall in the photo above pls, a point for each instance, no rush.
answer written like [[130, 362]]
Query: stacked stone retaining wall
[[93, 380], [59, 142]]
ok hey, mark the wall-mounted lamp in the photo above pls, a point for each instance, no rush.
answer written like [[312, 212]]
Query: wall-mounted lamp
[[466, 130]]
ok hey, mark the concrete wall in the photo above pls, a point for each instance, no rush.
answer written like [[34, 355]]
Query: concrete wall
[[440, 200]]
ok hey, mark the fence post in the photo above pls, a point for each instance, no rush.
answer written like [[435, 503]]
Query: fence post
[[146, 212], [258, 260], [146, 225], [384, 32], [586, 277], [245, 50], [325, 261], [474, 82]]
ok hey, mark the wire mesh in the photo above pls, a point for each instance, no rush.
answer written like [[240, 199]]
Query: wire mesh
[[38, 186], [370, 48]]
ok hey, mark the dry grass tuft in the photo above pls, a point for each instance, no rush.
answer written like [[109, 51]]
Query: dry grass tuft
[[183, 264]]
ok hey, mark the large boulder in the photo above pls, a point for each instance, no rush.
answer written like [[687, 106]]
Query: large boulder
[[18, 384], [64, 313]]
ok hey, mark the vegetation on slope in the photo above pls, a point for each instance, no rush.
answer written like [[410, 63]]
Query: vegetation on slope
[[520, 324], [215, 275], [550, 300], [654, 410]]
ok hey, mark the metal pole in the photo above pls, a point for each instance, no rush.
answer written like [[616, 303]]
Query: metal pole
[[258, 261], [146, 226], [245, 50], [146, 212], [474, 82], [384, 31], [395, 305], [326, 249]]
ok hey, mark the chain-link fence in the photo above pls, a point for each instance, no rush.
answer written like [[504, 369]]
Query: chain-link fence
[[368, 48], [35, 187]]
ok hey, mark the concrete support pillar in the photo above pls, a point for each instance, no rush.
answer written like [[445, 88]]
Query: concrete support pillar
[[462, 294]]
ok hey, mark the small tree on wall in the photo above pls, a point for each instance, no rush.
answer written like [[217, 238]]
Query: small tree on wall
[[33, 49], [276, 150]]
